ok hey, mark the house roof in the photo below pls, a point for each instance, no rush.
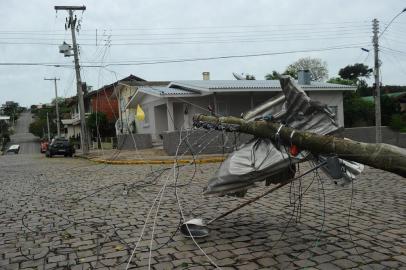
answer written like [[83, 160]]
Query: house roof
[[127, 80], [196, 88], [163, 91], [4, 117], [138, 84], [251, 85]]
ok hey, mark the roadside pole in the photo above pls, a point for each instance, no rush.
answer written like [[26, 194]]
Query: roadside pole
[[49, 134], [378, 122], [72, 25], [58, 126]]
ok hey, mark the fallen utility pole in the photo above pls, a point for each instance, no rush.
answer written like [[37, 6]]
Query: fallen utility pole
[[381, 156], [72, 25], [58, 125]]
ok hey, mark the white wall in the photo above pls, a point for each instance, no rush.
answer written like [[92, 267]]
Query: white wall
[[148, 103]]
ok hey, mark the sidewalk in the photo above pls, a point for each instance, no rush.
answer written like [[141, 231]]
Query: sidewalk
[[145, 156]]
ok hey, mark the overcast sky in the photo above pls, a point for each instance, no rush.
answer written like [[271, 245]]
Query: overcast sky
[[142, 32]]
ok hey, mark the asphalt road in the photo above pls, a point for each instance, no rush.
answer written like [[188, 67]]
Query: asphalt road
[[29, 144]]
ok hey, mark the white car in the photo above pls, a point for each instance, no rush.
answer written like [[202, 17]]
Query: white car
[[15, 148]]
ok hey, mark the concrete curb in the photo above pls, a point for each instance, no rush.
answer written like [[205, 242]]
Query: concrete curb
[[155, 161]]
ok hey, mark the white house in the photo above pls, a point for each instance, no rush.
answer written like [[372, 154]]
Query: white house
[[169, 108], [124, 92]]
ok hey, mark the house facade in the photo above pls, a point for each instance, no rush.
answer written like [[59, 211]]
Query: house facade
[[102, 100], [71, 122], [171, 107], [124, 92]]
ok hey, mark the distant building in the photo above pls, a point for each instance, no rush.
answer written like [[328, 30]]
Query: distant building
[[100, 100]]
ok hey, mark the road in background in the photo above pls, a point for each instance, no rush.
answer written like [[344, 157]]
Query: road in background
[[29, 144]]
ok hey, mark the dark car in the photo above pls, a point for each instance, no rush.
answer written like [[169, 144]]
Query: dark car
[[60, 146]]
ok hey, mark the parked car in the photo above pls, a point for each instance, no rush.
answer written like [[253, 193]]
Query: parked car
[[15, 148], [44, 146], [60, 146]]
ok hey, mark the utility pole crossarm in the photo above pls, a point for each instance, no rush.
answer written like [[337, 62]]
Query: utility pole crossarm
[[70, 7]]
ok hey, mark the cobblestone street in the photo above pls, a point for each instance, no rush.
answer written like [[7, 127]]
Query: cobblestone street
[[64, 213]]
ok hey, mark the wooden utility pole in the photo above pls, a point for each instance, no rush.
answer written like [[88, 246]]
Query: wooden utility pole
[[49, 134], [72, 25], [58, 126], [378, 122], [381, 156]]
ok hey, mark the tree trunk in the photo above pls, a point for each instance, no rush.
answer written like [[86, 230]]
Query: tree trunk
[[381, 156]]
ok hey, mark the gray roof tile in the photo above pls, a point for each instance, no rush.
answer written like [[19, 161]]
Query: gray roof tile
[[260, 85]]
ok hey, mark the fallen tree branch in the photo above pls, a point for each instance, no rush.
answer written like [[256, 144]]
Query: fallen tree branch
[[381, 156]]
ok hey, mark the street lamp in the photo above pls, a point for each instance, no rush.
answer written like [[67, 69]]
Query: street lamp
[[377, 63], [391, 21]]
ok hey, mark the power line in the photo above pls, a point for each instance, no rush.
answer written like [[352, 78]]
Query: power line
[[194, 41], [342, 24], [152, 62], [215, 35]]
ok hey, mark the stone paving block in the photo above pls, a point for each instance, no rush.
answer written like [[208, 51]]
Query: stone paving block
[[248, 266], [163, 266], [267, 262], [401, 258], [304, 263], [328, 266], [373, 266], [223, 254], [344, 263], [322, 258], [377, 256]]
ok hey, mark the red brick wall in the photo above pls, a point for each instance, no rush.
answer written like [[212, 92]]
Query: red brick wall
[[103, 102]]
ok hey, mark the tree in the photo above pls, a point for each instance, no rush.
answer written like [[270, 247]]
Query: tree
[[338, 80], [272, 76], [60, 100], [317, 68], [389, 107], [357, 112], [99, 125], [355, 72], [39, 127]]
